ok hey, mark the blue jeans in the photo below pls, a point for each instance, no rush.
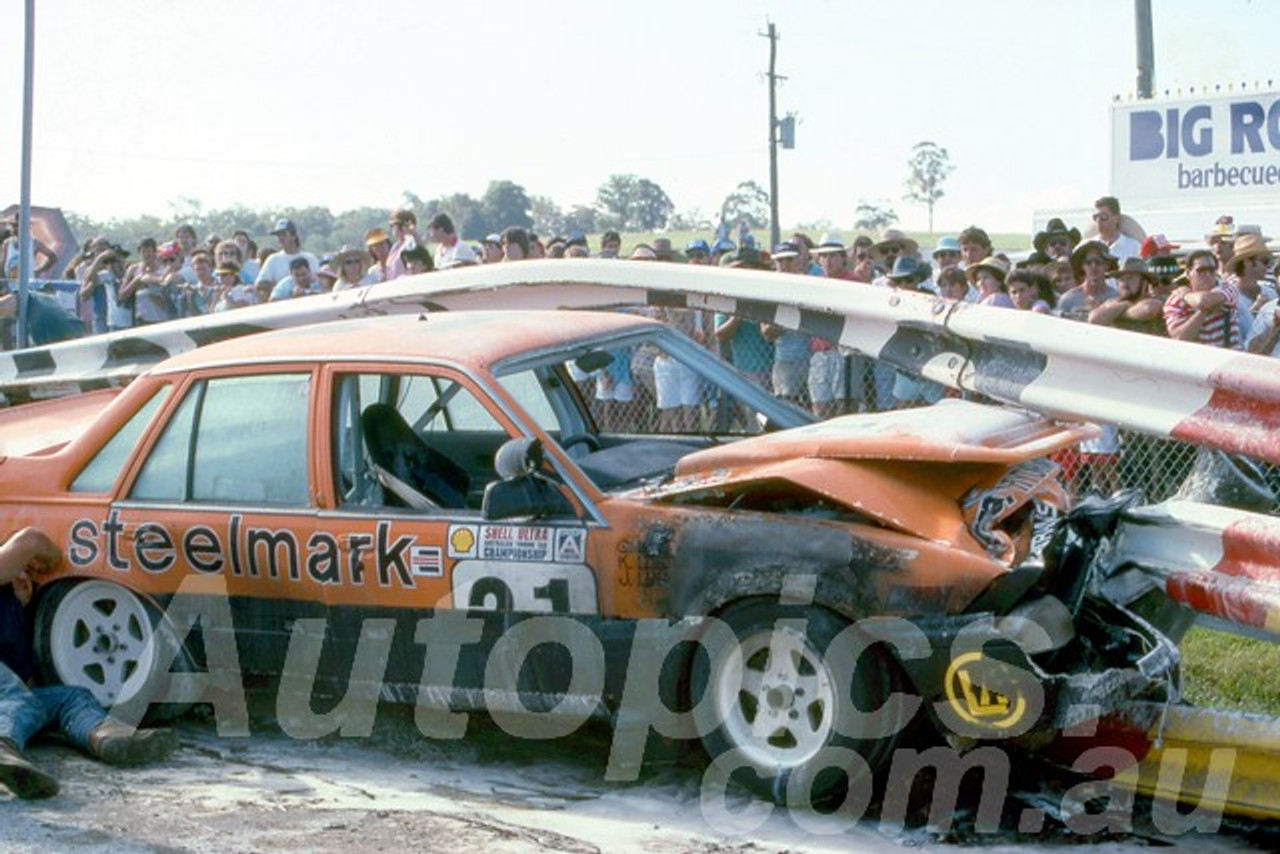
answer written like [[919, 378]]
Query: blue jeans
[[26, 711]]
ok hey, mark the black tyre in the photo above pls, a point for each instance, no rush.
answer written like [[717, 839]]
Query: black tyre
[[786, 725]]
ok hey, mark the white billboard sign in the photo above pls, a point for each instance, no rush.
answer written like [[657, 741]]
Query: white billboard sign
[[1210, 153]]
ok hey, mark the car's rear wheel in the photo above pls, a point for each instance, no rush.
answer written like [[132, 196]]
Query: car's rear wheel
[[103, 637], [784, 716]]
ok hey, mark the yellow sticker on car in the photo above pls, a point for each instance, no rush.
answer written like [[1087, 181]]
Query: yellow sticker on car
[[978, 704]]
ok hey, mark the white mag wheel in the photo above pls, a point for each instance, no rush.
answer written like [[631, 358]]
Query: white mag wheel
[[102, 637], [781, 712]]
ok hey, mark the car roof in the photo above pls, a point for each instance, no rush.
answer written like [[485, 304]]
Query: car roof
[[474, 338]]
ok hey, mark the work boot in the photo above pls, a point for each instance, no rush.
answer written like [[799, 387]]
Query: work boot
[[116, 744], [21, 777]]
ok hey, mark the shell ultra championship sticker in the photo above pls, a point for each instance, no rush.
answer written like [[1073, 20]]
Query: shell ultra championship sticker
[[976, 704], [520, 543]]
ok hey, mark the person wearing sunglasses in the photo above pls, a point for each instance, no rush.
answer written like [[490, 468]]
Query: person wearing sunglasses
[[1204, 308]]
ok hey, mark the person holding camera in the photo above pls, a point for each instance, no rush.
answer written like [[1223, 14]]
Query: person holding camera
[[102, 283]]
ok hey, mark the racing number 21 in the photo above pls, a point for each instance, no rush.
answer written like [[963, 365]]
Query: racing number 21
[[543, 588]]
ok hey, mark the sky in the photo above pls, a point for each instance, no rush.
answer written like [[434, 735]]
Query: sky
[[144, 105]]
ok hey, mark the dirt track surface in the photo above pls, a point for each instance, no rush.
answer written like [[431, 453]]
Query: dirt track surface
[[488, 792]]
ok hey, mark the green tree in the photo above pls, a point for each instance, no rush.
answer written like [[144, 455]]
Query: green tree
[[505, 203], [583, 218], [748, 203], [547, 216], [928, 167], [870, 216], [632, 203], [466, 211]]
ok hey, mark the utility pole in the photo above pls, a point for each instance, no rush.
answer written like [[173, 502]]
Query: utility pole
[[1146, 49], [24, 195], [774, 228]]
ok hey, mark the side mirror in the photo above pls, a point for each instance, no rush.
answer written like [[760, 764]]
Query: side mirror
[[522, 492]]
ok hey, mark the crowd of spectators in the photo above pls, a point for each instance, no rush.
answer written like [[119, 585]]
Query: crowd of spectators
[[1113, 274]]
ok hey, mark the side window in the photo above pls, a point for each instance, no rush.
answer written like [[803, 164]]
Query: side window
[[240, 440], [104, 468], [418, 441]]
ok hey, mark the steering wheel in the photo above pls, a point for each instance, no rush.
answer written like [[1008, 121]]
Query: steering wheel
[[591, 440]]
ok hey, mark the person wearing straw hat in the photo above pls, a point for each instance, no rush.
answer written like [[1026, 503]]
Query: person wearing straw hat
[[988, 277], [350, 264], [1091, 262], [1133, 308], [378, 244], [1221, 239], [1250, 261]]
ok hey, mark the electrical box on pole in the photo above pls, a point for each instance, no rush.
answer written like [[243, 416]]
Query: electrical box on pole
[[787, 131]]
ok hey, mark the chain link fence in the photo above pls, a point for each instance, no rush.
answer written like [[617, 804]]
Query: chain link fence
[[642, 393]]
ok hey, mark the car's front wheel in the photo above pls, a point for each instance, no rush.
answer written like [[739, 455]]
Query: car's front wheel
[[785, 709], [102, 637]]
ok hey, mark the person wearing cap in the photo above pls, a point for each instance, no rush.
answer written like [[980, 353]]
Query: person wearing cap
[[1057, 241], [1204, 309], [1110, 224], [828, 391], [450, 251], [1091, 262], [790, 370], [698, 253], [988, 277], [946, 254], [491, 249], [279, 264], [1221, 239], [721, 249], [1154, 245]]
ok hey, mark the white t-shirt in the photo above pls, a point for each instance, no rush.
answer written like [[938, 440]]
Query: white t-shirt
[[447, 256], [276, 267], [1125, 247]]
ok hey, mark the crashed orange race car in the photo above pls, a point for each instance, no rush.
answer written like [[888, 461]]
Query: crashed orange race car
[[429, 505]]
